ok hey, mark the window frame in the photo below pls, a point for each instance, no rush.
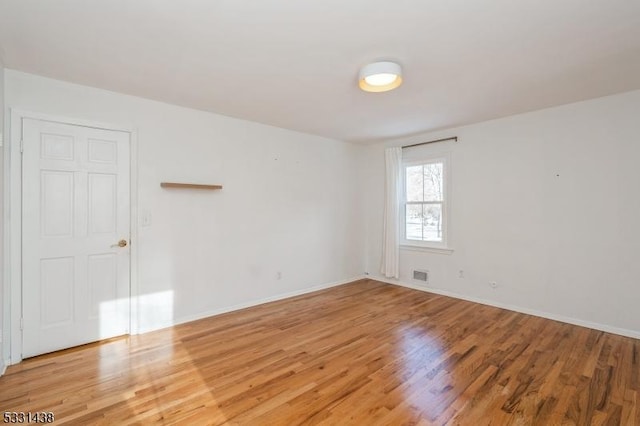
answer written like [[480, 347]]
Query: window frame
[[437, 246]]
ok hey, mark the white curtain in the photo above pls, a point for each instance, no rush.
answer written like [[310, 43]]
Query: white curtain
[[392, 194]]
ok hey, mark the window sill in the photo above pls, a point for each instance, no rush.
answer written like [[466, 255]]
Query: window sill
[[437, 250]]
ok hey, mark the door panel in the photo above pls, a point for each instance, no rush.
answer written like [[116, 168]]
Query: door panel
[[75, 210], [103, 203], [101, 151], [56, 204], [102, 282], [57, 147], [56, 292]]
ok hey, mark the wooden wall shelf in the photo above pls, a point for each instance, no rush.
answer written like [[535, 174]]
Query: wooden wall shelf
[[189, 185]]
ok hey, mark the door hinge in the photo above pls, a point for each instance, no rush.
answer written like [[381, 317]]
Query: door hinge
[[21, 145], [21, 323]]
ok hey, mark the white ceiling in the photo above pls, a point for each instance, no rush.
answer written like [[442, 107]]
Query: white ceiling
[[294, 63]]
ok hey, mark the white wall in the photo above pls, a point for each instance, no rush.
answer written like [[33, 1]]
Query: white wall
[[544, 203], [289, 203], [2, 293], [547, 204]]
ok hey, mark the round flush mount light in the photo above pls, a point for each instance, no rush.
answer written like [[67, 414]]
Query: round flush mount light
[[380, 77]]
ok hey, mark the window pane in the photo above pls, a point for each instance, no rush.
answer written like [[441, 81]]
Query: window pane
[[432, 222], [414, 183], [414, 222], [433, 182]]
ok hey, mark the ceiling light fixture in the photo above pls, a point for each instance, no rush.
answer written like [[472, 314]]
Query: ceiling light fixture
[[380, 77]]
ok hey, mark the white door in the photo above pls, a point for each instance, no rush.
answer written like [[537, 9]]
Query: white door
[[75, 206]]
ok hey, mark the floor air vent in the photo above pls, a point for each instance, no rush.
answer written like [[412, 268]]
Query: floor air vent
[[421, 275]]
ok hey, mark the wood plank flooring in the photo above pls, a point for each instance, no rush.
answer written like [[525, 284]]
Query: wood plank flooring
[[363, 353]]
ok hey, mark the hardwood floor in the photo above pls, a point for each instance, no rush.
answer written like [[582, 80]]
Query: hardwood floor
[[363, 353]]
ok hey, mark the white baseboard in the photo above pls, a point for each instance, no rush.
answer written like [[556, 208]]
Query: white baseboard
[[5, 364], [239, 306], [569, 320]]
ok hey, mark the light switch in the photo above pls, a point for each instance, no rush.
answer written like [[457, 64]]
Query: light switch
[[145, 220]]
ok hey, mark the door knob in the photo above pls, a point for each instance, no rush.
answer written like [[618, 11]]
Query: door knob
[[122, 243]]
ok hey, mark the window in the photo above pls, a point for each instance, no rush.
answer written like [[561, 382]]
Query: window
[[425, 203]]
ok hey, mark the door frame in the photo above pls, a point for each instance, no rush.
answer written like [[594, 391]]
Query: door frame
[[12, 297]]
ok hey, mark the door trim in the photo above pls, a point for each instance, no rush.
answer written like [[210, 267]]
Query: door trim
[[13, 226]]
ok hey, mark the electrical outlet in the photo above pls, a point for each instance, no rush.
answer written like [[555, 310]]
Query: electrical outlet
[[278, 275], [461, 273]]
